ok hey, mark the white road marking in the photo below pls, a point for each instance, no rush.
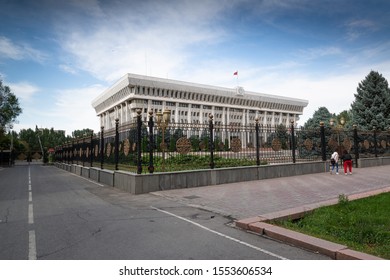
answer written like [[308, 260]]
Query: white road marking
[[221, 234], [30, 214], [32, 248]]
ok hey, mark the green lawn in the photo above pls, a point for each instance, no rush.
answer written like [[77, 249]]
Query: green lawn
[[362, 225]]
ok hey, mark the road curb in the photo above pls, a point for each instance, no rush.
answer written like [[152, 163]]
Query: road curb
[[260, 225]]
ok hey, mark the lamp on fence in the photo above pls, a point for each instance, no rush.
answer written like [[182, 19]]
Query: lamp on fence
[[162, 123], [338, 127]]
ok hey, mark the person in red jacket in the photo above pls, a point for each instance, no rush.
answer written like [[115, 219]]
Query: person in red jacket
[[347, 159]]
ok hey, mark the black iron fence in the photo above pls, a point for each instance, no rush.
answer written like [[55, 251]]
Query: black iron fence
[[162, 146]]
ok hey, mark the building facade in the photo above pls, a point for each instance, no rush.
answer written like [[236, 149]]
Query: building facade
[[192, 103]]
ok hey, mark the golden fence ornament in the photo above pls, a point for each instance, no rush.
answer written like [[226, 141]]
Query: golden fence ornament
[[22, 156], [366, 144], [308, 144], [126, 147], [108, 150], [383, 144], [36, 156], [276, 145], [183, 145], [347, 144], [202, 145], [235, 145], [96, 150], [332, 144]]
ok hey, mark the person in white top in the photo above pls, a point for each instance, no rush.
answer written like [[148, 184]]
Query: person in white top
[[334, 160]]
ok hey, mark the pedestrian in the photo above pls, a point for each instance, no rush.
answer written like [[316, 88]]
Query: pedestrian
[[347, 160], [334, 160]]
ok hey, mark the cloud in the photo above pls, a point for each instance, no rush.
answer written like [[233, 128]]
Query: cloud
[[320, 52], [67, 69], [9, 50], [72, 108], [24, 91], [358, 28], [153, 39], [14, 51]]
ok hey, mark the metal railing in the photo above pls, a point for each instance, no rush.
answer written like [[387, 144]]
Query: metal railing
[[147, 147]]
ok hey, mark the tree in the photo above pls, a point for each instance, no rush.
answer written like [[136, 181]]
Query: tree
[[82, 133], [50, 138], [321, 115], [9, 106], [371, 107]]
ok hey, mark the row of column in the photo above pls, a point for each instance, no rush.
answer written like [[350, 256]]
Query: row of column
[[125, 112]]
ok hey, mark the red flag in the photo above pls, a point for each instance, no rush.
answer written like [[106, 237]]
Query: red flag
[[235, 73]]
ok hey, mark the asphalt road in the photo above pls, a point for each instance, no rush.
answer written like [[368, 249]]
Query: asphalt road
[[47, 213]]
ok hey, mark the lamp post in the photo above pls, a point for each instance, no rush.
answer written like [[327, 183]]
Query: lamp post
[[162, 123], [337, 127], [342, 122]]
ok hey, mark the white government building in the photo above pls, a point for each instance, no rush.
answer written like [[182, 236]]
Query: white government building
[[192, 103]]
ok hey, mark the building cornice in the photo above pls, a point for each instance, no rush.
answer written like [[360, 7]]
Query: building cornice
[[121, 91]]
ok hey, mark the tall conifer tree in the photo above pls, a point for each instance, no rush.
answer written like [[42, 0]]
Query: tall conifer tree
[[371, 107]]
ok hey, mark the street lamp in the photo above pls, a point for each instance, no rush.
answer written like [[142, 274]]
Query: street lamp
[[342, 122], [162, 123], [337, 127]]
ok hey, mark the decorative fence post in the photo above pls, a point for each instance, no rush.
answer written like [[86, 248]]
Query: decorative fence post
[[72, 153], [83, 152], [151, 143], [323, 145], [257, 143], [211, 141], [293, 141], [68, 152], [116, 154], [76, 152], [101, 147], [139, 142], [375, 143], [356, 144], [91, 150]]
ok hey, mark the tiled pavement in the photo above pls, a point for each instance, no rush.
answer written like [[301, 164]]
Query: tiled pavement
[[252, 202]]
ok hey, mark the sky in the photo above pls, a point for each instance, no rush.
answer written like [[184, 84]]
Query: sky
[[57, 56]]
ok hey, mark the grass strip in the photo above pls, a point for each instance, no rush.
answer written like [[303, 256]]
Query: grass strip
[[362, 225]]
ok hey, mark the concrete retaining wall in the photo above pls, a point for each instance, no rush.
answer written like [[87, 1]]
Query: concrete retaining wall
[[371, 162], [85, 172], [106, 177], [94, 174], [145, 183]]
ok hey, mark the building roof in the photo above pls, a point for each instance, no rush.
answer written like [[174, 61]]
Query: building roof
[[134, 80]]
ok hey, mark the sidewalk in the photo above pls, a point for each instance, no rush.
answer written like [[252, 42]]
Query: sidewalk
[[251, 203]]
